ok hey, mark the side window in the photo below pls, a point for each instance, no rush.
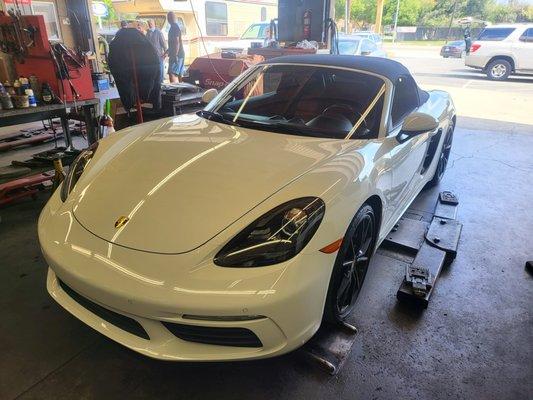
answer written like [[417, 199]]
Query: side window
[[495, 34], [527, 36], [216, 19], [405, 99], [368, 46], [265, 32]]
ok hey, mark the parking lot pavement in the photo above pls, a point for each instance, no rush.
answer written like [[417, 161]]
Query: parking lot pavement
[[474, 95]]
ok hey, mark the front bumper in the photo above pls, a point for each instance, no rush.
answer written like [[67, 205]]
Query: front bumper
[[162, 344], [154, 289]]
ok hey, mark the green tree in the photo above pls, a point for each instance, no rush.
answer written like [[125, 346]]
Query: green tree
[[515, 12], [111, 13], [435, 12], [410, 13]]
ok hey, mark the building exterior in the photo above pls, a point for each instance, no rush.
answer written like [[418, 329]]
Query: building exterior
[[206, 25]]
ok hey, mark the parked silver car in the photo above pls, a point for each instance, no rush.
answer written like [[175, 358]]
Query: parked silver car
[[375, 37], [455, 49], [360, 46]]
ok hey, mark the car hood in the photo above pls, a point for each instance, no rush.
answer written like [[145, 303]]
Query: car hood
[[182, 181]]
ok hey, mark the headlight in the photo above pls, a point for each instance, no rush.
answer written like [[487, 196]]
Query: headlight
[[277, 236], [76, 169]]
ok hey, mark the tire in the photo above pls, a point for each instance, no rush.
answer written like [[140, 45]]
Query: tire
[[444, 156], [351, 265], [498, 70]]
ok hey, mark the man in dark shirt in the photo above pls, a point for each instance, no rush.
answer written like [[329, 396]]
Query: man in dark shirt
[[176, 54], [155, 36]]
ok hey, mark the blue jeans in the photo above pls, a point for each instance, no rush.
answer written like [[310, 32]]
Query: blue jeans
[[162, 68]]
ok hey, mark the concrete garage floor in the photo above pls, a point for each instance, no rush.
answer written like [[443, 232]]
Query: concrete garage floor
[[473, 342]]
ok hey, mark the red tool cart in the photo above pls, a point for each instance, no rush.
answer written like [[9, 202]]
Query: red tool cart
[[215, 72]]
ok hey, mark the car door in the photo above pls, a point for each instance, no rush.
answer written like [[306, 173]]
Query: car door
[[523, 50], [408, 154]]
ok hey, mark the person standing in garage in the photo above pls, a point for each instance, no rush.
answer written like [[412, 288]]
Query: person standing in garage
[[176, 53], [155, 36]]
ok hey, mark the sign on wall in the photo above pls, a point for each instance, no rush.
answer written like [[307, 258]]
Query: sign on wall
[[406, 29]]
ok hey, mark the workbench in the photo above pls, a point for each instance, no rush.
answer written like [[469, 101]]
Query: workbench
[[90, 111]]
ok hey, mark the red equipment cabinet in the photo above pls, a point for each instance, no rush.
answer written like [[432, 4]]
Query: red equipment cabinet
[[39, 62]]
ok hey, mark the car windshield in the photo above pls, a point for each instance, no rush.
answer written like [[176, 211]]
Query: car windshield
[[316, 101], [348, 46], [456, 43], [256, 31], [495, 34]]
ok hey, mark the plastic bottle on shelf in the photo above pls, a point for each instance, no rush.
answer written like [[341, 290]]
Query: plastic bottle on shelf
[[5, 99], [24, 84], [106, 122], [36, 87], [31, 98], [17, 87], [7, 86]]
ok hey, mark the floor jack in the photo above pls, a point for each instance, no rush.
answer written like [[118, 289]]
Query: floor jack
[[428, 241], [432, 244]]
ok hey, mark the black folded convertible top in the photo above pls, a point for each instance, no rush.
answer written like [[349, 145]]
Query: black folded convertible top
[[385, 67]]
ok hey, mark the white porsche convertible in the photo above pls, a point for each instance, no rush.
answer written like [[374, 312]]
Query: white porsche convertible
[[235, 232]]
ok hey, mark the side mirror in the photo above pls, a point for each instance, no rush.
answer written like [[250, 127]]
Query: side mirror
[[209, 95], [366, 53], [417, 123]]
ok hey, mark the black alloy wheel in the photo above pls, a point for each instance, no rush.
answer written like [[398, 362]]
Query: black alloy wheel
[[445, 154], [351, 265]]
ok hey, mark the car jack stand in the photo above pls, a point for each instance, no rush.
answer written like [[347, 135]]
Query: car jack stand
[[428, 245], [330, 346]]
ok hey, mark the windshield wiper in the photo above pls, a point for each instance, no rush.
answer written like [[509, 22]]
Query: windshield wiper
[[215, 116], [280, 127]]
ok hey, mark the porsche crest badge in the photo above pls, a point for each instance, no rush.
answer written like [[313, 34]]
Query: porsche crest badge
[[123, 220]]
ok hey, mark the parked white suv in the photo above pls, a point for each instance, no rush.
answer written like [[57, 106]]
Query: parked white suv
[[501, 50], [257, 32]]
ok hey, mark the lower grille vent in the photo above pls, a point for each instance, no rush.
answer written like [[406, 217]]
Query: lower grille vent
[[120, 321], [238, 337]]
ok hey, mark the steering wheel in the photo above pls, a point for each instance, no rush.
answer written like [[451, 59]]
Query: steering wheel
[[346, 111]]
